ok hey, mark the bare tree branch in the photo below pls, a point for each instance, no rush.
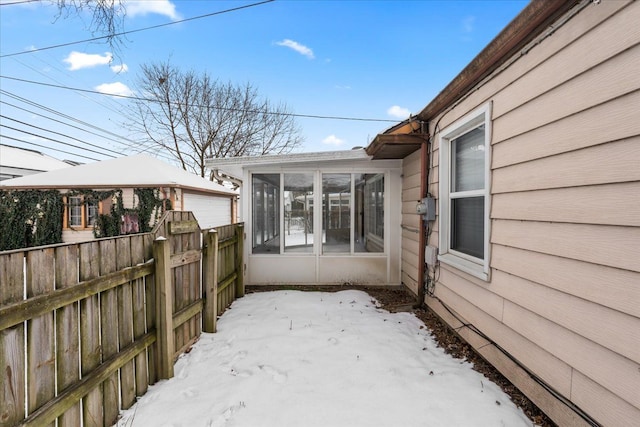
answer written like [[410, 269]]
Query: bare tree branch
[[193, 117], [107, 16]]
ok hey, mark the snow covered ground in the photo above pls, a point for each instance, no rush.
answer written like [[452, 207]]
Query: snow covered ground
[[292, 358]]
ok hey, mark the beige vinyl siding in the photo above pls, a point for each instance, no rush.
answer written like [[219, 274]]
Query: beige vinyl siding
[[600, 164], [410, 220], [563, 295]]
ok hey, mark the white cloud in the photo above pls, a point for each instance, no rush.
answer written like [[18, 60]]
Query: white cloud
[[145, 7], [333, 140], [398, 112], [468, 24], [116, 88], [340, 87], [79, 60], [122, 68], [300, 48]]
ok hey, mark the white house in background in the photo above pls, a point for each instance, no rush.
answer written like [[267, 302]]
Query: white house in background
[[319, 218], [16, 162], [211, 203]]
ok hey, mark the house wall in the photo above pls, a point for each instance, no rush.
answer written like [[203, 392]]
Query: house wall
[[563, 295], [411, 173]]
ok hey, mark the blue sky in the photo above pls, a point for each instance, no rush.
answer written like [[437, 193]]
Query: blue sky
[[357, 59]]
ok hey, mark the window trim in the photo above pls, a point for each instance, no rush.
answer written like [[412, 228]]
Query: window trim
[[474, 266], [84, 220]]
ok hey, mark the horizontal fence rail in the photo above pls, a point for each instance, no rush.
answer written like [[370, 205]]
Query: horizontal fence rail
[[85, 328]]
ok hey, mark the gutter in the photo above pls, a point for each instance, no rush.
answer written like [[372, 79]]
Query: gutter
[[531, 22]]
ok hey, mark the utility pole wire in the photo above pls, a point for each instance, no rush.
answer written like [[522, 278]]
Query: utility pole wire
[[306, 116], [122, 33], [63, 135], [55, 140], [48, 148]]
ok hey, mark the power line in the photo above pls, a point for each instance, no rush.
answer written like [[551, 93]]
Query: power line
[[49, 148], [62, 134], [140, 29], [127, 144], [307, 116], [60, 121], [55, 140], [105, 105], [19, 2], [66, 116]]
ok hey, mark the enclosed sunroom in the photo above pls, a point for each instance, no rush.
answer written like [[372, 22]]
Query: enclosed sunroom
[[318, 218]]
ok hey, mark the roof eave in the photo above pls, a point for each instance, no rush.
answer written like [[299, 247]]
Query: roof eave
[[395, 146], [231, 193], [529, 23]]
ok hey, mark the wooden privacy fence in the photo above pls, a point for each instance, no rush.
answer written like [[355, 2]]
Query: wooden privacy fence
[[85, 328]]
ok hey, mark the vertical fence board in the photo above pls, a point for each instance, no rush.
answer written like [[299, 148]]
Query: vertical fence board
[[193, 282], [138, 295], [40, 332], [67, 326], [90, 352], [12, 386], [195, 289], [150, 311], [186, 288], [239, 263], [109, 330], [230, 261], [210, 280], [164, 309], [150, 299], [125, 323], [175, 243]]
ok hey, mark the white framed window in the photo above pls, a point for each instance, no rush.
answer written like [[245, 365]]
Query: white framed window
[[464, 208]]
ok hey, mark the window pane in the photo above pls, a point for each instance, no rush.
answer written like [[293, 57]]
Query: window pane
[[468, 161], [369, 219], [467, 226], [298, 212], [336, 212], [266, 213], [75, 211], [92, 213]]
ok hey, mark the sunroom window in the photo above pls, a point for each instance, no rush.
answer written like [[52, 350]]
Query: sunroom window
[[369, 213], [266, 213], [350, 218], [298, 212], [336, 212]]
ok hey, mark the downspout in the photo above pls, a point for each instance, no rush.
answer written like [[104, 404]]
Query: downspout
[[424, 190]]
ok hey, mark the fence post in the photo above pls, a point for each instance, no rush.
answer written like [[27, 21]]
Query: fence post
[[240, 260], [210, 281], [164, 308]]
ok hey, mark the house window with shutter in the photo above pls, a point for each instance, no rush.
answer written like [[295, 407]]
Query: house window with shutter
[[464, 193]]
